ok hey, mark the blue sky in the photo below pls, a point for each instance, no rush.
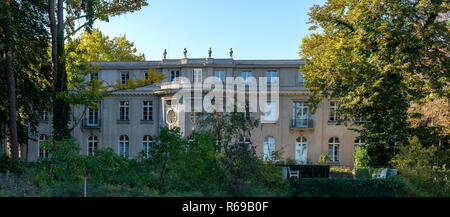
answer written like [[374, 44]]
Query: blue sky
[[255, 29]]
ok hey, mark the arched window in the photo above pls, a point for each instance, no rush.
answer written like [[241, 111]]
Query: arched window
[[269, 148], [43, 153], [124, 146], [146, 142], [92, 145], [171, 117], [334, 149], [301, 150]]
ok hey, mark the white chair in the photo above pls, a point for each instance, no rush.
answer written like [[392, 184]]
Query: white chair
[[382, 175], [293, 173]]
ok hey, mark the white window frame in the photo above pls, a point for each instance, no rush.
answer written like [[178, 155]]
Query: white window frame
[[125, 106], [195, 116], [93, 115], [301, 142], [334, 149], [270, 75], [268, 148], [332, 108], [301, 81], [174, 75], [269, 111], [92, 144], [147, 110], [197, 75], [124, 77], [220, 76], [43, 116], [147, 140], [45, 153], [245, 76], [124, 146]]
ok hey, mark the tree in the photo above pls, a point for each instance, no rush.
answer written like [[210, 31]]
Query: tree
[[28, 39], [376, 57], [94, 46], [86, 11]]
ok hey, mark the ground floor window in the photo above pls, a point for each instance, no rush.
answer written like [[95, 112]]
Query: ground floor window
[[92, 145], [333, 149], [124, 146], [146, 143], [269, 148]]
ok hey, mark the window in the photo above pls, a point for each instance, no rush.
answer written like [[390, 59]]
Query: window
[[92, 145], [300, 78], [197, 76], [124, 76], [333, 107], [124, 106], [300, 114], [147, 109], [171, 117], [146, 144], [43, 153], [269, 148], [333, 149], [270, 112], [123, 146], [359, 142], [43, 116], [194, 117], [175, 75], [245, 76], [301, 150], [146, 75], [93, 119], [246, 113], [245, 140], [271, 75], [93, 76], [220, 76]]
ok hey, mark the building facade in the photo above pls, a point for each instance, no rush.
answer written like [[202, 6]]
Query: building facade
[[128, 120]]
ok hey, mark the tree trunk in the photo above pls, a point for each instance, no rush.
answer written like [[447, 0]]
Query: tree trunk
[[10, 83], [51, 15], [60, 107]]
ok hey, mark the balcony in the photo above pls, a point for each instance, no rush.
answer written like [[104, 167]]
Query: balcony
[[91, 123], [304, 123]]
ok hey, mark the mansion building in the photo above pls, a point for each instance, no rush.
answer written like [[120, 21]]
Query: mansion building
[[128, 120]]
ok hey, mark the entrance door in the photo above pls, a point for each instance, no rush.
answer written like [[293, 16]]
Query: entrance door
[[301, 150]]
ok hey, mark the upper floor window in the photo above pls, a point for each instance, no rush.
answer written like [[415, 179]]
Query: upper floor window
[[334, 149], [43, 152], [93, 115], [43, 116], [271, 75], [147, 109], [269, 148], [333, 115], [300, 114], [92, 145], [174, 75], [246, 75], [124, 106], [124, 76], [93, 76], [195, 117], [301, 81], [270, 112], [197, 76], [124, 146], [220, 76], [146, 144]]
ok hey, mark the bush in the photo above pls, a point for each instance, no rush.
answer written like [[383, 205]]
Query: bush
[[10, 164], [317, 187], [420, 182], [361, 157], [367, 172]]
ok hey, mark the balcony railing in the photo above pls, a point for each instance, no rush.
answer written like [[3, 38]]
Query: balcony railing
[[91, 123], [306, 123]]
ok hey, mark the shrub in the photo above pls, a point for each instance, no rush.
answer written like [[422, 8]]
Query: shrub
[[317, 187], [361, 157], [367, 172], [434, 182], [10, 164]]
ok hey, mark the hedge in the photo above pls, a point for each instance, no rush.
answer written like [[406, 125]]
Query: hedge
[[317, 187]]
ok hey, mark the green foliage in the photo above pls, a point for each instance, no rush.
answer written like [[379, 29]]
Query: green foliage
[[361, 157], [323, 160], [376, 58], [10, 164], [367, 172], [429, 182], [317, 187], [414, 155]]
